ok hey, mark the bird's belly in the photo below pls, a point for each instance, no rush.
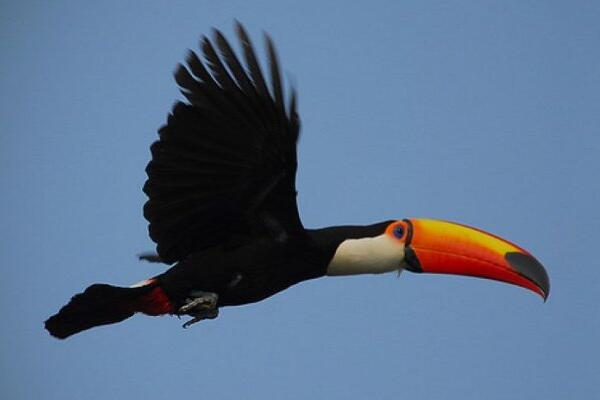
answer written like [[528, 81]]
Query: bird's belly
[[245, 276]]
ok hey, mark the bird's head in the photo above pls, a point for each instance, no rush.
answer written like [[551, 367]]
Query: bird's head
[[426, 245]]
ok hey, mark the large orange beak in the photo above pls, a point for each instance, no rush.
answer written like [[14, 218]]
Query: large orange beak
[[447, 248]]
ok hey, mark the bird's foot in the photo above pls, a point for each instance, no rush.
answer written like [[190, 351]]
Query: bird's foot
[[199, 301], [200, 305]]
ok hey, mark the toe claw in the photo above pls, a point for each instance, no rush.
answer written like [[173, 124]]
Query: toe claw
[[209, 314], [191, 322]]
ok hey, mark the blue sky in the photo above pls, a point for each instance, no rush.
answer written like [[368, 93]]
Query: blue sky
[[486, 113]]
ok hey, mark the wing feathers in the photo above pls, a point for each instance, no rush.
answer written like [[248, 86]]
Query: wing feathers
[[253, 66], [275, 75], [216, 66], [224, 164], [234, 64]]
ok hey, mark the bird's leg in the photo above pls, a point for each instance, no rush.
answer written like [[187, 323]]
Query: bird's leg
[[200, 305]]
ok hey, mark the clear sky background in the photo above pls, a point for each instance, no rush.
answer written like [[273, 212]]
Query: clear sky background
[[486, 113]]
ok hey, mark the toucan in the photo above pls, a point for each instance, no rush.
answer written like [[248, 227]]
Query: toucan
[[222, 209]]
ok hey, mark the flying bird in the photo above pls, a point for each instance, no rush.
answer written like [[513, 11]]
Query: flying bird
[[222, 209]]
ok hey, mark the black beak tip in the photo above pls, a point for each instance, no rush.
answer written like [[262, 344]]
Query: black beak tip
[[531, 269]]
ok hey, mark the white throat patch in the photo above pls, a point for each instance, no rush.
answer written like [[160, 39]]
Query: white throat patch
[[372, 255]]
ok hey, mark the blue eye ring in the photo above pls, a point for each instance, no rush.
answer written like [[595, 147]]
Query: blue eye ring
[[399, 231]]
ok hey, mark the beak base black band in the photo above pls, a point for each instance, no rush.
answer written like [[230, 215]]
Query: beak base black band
[[411, 260]]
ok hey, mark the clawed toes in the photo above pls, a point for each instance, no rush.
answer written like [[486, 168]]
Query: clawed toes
[[201, 305], [209, 314]]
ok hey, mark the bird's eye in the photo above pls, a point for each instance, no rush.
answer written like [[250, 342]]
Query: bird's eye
[[399, 231]]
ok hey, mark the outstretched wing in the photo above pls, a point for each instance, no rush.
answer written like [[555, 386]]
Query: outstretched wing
[[225, 163]]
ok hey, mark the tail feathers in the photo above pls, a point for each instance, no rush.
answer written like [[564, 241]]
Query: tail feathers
[[102, 304]]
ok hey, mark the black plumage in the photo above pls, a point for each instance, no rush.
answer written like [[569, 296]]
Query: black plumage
[[99, 304], [225, 164]]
